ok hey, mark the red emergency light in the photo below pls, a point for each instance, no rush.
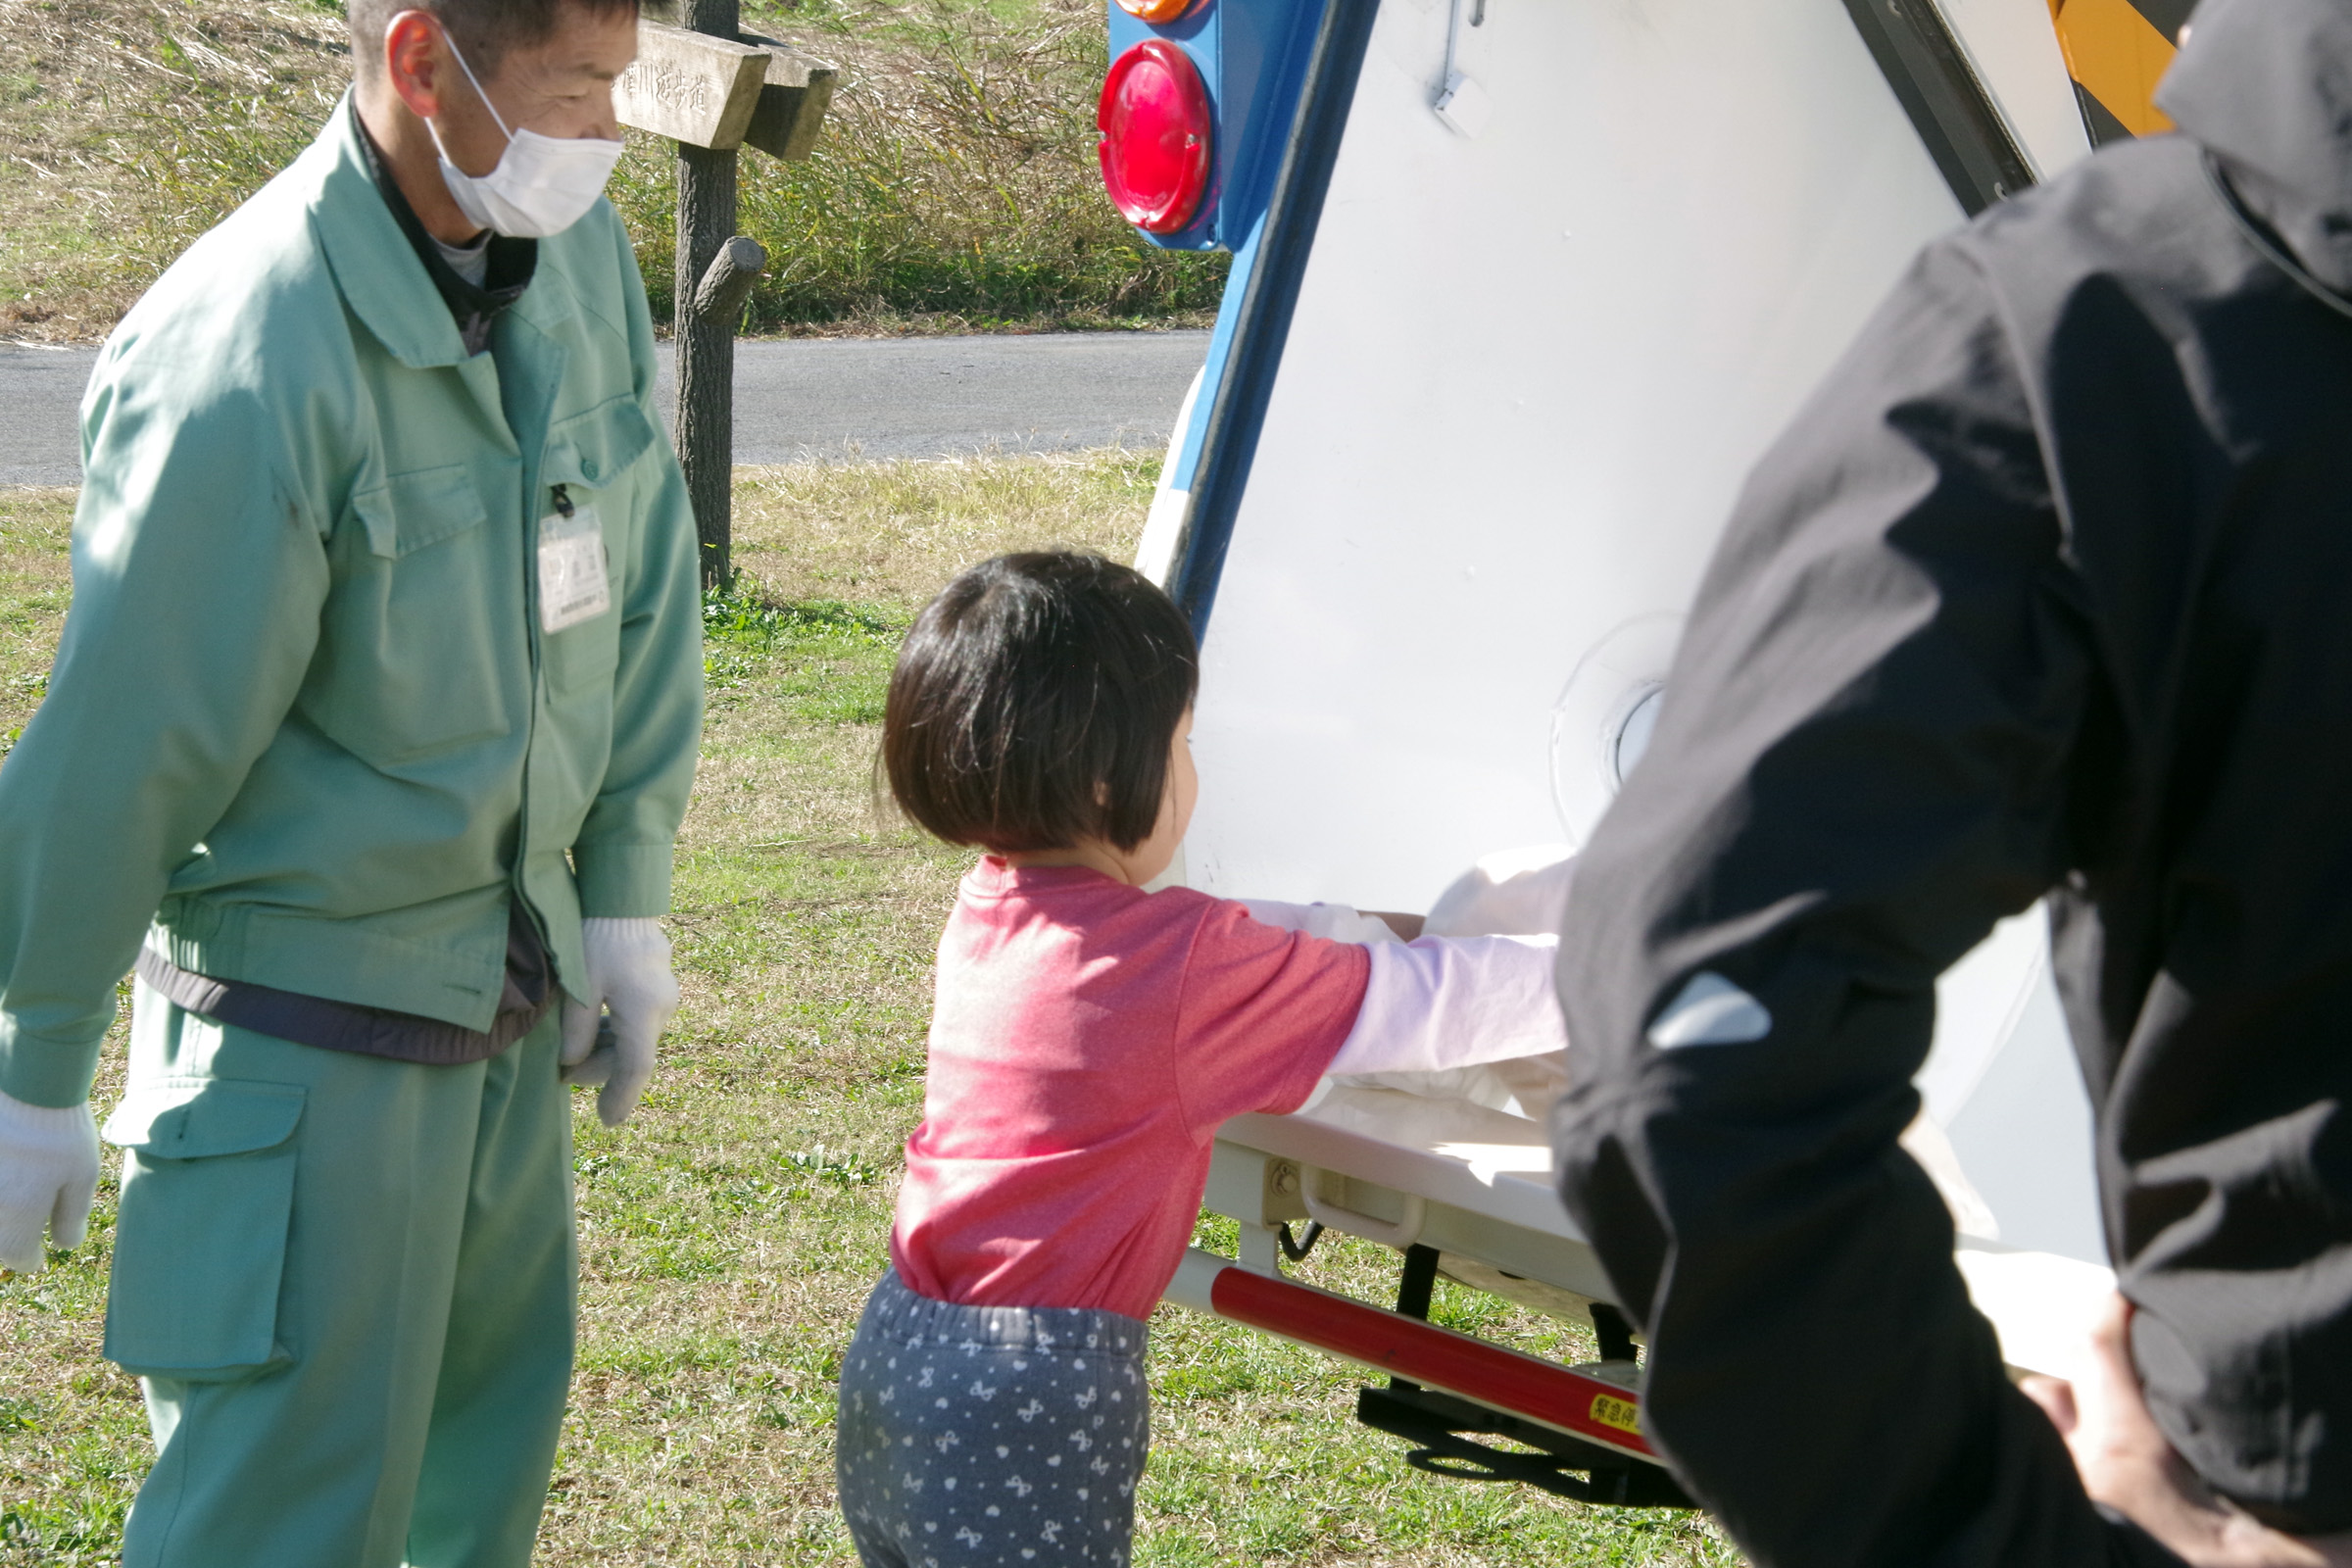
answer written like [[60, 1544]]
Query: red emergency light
[[1155, 123]]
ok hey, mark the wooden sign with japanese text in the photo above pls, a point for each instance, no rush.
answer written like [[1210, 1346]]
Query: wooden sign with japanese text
[[691, 87], [721, 94]]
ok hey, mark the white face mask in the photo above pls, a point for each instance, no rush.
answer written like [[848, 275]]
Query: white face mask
[[542, 185]]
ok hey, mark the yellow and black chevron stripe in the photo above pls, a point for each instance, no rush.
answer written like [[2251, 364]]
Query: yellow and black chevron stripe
[[2116, 50]]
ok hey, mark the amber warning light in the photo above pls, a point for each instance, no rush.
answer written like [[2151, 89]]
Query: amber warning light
[[1161, 12], [1155, 124]]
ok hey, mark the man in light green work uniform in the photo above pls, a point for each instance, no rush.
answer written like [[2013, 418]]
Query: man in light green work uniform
[[372, 726]]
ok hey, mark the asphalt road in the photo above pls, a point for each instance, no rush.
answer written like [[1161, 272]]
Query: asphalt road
[[796, 400]]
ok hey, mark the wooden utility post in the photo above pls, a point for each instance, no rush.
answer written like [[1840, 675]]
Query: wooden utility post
[[712, 90], [706, 340]]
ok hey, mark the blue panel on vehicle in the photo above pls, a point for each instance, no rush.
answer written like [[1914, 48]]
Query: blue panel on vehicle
[[1251, 56]]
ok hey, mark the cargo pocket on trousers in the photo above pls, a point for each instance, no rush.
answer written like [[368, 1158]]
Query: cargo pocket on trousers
[[200, 1241]]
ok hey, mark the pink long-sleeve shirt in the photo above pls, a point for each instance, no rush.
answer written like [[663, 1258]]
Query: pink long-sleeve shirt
[[1087, 1041]]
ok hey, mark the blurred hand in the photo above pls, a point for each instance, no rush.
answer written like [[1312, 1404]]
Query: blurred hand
[[2126, 1463]]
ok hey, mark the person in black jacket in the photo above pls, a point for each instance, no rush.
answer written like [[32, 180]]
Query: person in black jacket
[[2047, 591]]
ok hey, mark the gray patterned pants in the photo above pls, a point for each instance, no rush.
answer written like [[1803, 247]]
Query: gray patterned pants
[[987, 1435]]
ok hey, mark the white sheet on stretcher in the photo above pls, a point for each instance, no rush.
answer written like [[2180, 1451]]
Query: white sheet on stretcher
[[1521, 893], [1524, 893]]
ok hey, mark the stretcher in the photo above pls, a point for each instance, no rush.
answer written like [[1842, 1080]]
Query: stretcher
[[1466, 1192], [1521, 291]]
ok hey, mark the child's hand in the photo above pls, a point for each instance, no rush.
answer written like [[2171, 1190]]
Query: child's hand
[[1406, 926]]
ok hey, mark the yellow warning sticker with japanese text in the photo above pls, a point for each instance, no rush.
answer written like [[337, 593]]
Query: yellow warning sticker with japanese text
[[1622, 1414]]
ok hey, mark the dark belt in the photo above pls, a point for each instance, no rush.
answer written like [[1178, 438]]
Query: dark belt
[[369, 1031]]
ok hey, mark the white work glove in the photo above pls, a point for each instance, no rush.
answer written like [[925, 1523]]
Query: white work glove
[[628, 972], [48, 1176]]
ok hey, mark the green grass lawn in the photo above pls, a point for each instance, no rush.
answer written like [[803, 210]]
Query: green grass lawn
[[731, 1230]]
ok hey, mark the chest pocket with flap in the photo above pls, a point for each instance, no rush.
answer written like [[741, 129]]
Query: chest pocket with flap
[[421, 640]]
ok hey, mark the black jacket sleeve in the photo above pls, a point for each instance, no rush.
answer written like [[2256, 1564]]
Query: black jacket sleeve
[[1861, 765]]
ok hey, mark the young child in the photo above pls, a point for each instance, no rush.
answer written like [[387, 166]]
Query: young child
[[1087, 1040]]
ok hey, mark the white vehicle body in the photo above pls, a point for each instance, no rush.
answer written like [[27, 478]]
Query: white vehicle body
[[1537, 344]]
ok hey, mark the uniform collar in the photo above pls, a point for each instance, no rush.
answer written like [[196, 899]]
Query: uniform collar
[[382, 279], [475, 308]]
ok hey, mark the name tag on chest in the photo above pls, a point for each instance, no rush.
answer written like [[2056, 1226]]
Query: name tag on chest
[[572, 586]]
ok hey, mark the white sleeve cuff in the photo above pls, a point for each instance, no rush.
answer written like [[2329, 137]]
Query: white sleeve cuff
[[22, 1122], [1440, 1003], [617, 936]]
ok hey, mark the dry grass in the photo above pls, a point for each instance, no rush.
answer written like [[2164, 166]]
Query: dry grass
[[955, 186], [730, 1232], [130, 127]]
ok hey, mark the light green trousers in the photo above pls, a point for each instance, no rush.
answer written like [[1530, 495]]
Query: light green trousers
[[347, 1285]]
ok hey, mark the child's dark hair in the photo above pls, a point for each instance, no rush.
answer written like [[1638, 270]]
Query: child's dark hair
[[1033, 703]]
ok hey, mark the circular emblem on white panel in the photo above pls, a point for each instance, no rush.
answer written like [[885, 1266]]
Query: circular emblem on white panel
[[1603, 718]]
